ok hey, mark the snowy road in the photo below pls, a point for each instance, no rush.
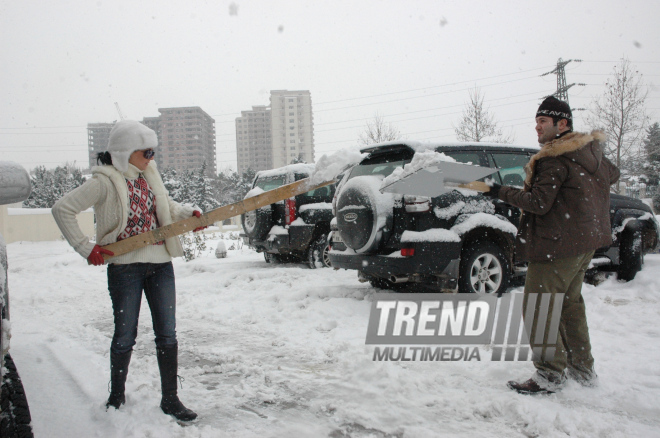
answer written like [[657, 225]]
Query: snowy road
[[278, 351]]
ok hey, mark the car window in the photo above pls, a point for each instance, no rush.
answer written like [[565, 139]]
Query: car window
[[466, 157], [266, 184], [512, 168]]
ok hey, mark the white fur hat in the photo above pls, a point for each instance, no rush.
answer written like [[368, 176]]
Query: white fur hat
[[126, 137]]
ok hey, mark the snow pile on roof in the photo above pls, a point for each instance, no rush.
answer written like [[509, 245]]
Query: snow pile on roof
[[329, 167], [419, 146], [421, 160]]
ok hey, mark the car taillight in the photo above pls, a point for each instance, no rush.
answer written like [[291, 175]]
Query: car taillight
[[407, 252], [417, 204], [290, 210]]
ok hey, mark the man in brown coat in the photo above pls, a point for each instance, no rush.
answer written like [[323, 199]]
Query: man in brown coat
[[565, 203]]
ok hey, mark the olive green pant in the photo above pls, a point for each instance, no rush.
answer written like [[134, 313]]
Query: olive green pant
[[573, 350]]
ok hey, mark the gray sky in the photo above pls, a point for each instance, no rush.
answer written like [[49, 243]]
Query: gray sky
[[65, 63]]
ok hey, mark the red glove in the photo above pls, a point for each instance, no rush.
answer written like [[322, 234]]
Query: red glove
[[198, 213], [96, 256]]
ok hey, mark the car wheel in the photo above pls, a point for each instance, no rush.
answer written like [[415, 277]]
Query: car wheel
[[317, 253], [484, 269], [15, 418], [631, 255]]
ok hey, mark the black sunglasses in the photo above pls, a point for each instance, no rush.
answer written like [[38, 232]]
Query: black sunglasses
[[148, 153]]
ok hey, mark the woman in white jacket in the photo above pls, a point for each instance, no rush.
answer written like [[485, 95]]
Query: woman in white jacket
[[129, 198]]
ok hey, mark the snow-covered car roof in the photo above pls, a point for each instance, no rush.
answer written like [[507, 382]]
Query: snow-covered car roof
[[291, 168], [419, 146]]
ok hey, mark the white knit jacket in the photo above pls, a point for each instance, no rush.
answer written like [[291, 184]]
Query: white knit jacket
[[106, 191]]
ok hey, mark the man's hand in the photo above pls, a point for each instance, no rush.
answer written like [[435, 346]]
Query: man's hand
[[494, 191], [96, 256], [198, 213]]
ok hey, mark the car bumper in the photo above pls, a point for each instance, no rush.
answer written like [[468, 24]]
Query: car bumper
[[297, 239], [429, 259]]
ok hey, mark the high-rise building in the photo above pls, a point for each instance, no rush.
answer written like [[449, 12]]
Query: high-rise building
[[254, 149], [98, 135], [186, 139], [292, 126], [273, 136]]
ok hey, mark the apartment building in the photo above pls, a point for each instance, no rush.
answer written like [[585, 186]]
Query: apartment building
[[98, 135], [273, 136], [254, 149], [292, 126], [186, 139]]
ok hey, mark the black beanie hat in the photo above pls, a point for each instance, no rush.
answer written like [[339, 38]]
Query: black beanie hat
[[555, 108]]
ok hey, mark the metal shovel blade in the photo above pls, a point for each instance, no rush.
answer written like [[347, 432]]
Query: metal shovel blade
[[438, 179]]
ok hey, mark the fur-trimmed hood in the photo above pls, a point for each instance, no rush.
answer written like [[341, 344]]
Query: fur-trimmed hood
[[571, 146]]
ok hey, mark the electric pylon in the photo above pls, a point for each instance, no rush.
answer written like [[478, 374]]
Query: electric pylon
[[562, 88]]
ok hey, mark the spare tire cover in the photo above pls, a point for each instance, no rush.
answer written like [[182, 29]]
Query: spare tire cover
[[257, 223], [363, 212]]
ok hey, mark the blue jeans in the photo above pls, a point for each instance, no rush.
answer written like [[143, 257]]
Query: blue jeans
[[126, 283]]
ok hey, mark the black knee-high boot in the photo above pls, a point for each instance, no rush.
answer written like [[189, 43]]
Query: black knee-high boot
[[118, 372], [170, 403]]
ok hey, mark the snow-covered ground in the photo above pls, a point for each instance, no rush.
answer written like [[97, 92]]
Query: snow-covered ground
[[279, 351]]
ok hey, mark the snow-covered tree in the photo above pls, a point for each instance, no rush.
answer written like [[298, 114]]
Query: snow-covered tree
[[620, 112], [231, 187], [378, 131], [652, 149], [202, 191], [48, 186], [477, 124]]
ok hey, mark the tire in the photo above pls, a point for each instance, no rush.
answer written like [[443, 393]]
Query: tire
[[257, 223], [317, 253], [276, 259], [631, 255], [484, 269], [15, 413]]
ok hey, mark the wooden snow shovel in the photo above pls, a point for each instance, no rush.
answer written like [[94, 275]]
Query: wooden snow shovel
[[219, 214], [441, 178]]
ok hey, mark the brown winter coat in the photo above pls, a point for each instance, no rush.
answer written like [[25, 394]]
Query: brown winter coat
[[565, 200]]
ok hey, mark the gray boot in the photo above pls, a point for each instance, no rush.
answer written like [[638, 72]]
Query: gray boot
[[118, 372], [170, 403]]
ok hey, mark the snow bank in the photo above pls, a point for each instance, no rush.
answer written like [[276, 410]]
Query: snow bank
[[328, 167], [271, 350]]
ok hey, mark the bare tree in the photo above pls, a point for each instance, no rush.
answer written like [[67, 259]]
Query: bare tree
[[477, 124], [620, 112], [378, 131]]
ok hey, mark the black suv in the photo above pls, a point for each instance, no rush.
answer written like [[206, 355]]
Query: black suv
[[461, 239], [295, 229]]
